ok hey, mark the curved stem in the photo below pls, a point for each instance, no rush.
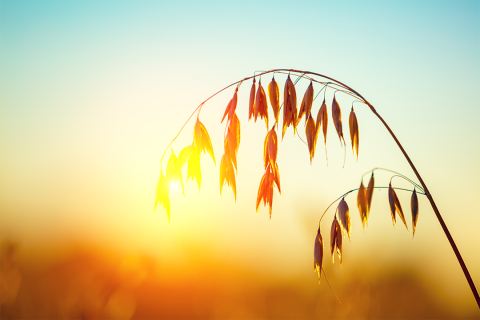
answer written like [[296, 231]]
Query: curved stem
[[348, 192], [397, 173], [434, 207], [358, 96]]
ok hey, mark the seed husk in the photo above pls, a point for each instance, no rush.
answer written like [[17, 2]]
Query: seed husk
[[162, 194], [362, 204], [370, 188], [344, 217], [251, 103], [289, 106], [274, 95], [318, 254], [414, 207], [337, 119], [227, 174], [395, 205], [336, 240], [310, 133], [306, 105], [232, 105], [354, 131], [322, 121], [270, 148]]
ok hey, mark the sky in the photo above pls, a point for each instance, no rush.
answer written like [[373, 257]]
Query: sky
[[92, 93]]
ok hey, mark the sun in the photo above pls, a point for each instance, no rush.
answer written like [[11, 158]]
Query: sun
[[174, 185]]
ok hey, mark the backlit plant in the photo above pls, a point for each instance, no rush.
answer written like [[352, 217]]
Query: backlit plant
[[292, 114]]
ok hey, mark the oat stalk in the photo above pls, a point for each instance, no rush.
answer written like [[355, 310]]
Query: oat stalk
[[343, 88]]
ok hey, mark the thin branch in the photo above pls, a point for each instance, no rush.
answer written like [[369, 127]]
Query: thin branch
[[348, 192]]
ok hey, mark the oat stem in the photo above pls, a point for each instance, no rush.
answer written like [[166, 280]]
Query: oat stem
[[349, 91]]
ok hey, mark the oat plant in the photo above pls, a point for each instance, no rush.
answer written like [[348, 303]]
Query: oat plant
[[292, 114]]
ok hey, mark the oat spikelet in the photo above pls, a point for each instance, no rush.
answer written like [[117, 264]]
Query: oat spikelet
[[395, 205], [354, 131], [270, 148], [261, 106], [391, 202], [173, 171], [362, 204], [310, 133], [292, 100], [318, 254], [265, 190], [229, 147], [344, 217], [306, 106], [234, 128], [276, 178], [414, 207], [398, 207], [227, 174], [251, 103], [184, 156], [232, 105], [274, 95], [162, 194], [289, 106], [336, 240], [194, 171], [201, 139], [322, 121], [232, 140], [370, 188], [337, 119]]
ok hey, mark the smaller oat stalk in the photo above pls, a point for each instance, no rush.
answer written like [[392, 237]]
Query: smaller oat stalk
[[342, 223]]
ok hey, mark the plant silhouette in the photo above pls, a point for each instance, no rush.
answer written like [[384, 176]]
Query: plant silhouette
[[258, 109]]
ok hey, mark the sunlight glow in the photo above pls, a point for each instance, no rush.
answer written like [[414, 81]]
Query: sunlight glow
[[174, 185]]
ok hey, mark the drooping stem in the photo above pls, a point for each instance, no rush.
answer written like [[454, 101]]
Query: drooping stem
[[397, 173], [434, 207], [355, 94]]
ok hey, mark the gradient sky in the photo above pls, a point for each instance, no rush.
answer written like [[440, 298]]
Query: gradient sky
[[92, 92]]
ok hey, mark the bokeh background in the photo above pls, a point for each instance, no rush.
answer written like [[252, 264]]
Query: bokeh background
[[92, 92]]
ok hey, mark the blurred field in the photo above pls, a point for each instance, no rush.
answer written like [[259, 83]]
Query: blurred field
[[91, 283]]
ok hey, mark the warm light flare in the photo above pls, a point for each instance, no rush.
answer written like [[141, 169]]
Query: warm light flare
[[174, 185]]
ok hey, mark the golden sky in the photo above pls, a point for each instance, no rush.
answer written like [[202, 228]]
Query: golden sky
[[91, 94]]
